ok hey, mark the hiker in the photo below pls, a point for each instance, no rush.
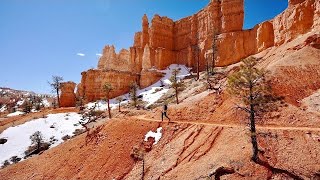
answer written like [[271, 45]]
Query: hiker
[[164, 112]]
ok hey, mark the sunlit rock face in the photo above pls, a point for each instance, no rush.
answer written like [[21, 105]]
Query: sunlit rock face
[[163, 41], [68, 96]]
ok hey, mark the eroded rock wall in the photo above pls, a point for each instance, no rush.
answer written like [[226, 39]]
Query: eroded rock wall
[[68, 96], [163, 41], [93, 80]]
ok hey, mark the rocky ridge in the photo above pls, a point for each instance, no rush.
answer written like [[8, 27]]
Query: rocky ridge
[[163, 42]]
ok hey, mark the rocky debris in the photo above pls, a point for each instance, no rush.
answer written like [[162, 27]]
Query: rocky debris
[[68, 96]]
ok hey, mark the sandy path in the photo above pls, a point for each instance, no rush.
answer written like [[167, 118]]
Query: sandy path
[[236, 125]]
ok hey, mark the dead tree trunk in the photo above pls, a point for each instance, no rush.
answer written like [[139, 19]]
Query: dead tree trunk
[[109, 110], [177, 99]]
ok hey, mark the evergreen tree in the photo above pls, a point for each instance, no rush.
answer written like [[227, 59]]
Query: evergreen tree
[[250, 86]]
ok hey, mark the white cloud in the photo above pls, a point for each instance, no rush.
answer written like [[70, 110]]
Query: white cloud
[[81, 54], [99, 55]]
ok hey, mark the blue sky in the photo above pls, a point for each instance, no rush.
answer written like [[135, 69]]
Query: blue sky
[[41, 38]]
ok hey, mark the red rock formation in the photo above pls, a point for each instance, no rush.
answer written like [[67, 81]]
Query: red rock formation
[[148, 77], [112, 61], [68, 97], [93, 80], [166, 42], [296, 20]]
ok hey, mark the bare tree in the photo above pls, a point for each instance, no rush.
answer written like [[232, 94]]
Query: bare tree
[[137, 154], [56, 85], [176, 84], [196, 57], [119, 100], [107, 87]]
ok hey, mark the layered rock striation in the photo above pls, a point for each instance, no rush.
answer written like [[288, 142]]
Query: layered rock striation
[[163, 41]]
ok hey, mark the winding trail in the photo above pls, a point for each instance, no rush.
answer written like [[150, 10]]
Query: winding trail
[[289, 128]]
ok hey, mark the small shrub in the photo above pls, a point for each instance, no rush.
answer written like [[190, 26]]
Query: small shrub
[[33, 149], [53, 140], [78, 132], [3, 141], [15, 159], [66, 137], [5, 164]]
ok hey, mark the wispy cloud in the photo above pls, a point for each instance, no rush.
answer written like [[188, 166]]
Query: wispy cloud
[[97, 54], [81, 54]]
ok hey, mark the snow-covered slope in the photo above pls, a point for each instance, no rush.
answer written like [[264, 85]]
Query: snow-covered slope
[[55, 126], [152, 93]]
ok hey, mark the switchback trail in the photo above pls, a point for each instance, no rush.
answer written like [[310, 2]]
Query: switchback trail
[[234, 125]]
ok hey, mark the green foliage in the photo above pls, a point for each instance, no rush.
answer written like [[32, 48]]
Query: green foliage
[[107, 87], [249, 84]]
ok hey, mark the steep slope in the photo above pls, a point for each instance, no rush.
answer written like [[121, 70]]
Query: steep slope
[[105, 156]]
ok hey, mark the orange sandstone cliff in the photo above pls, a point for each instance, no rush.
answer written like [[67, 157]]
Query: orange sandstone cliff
[[163, 41]]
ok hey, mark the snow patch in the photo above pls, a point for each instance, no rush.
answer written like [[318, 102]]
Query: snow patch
[[156, 135], [55, 125], [149, 94], [3, 108], [46, 103], [17, 113]]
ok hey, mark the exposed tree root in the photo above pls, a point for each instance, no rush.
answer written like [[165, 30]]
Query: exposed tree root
[[275, 170], [221, 171]]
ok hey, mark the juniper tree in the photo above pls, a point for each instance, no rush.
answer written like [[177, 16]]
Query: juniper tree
[[107, 88], [56, 85], [250, 86], [134, 93], [37, 139], [176, 84]]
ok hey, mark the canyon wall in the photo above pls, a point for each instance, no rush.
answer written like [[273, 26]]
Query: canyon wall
[[163, 42]]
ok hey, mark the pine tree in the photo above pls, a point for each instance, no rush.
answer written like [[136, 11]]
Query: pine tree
[[250, 86]]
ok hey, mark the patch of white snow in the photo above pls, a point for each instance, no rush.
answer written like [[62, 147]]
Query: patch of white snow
[[156, 135]]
